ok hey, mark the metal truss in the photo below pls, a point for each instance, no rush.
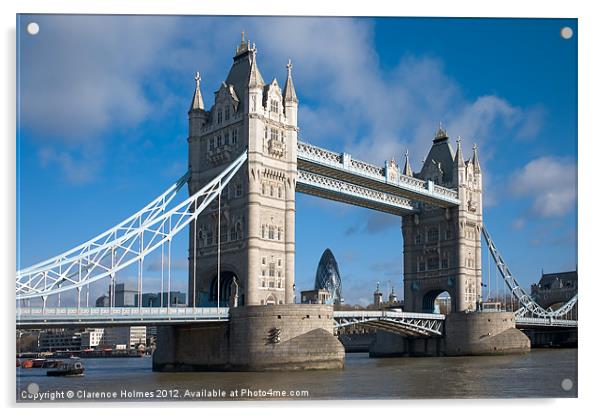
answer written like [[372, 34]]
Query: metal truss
[[123, 245], [528, 305], [415, 324], [338, 190], [146, 214], [342, 166]]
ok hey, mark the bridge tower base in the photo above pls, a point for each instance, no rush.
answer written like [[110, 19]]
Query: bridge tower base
[[474, 333], [256, 338]]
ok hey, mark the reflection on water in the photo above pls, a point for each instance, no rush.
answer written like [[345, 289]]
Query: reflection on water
[[536, 374]]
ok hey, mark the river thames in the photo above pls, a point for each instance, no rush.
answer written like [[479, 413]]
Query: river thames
[[539, 373]]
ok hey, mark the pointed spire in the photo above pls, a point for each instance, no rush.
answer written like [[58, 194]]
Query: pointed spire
[[407, 169], [475, 159], [459, 159], [441, 134], [197, 98], [255, 78], [289, 87]]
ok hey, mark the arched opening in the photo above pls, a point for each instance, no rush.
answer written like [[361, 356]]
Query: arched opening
[[437, 301], [228, 284]]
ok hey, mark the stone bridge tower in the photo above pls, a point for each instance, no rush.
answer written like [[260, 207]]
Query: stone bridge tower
[[258, 208], [442, 246]]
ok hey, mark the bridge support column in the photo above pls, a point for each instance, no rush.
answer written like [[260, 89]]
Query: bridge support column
[[483, 333], [256, 338]]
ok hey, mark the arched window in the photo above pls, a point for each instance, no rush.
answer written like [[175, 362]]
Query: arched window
[[433, 235]]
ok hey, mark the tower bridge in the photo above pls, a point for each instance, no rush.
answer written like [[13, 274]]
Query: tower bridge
[[246, 164]]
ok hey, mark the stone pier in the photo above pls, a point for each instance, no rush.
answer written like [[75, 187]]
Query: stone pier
[[487, 333], [256, 338]]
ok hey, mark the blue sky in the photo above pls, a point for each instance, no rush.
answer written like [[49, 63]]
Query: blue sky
[[102, 125]]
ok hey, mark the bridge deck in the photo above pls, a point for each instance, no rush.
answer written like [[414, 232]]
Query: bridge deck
[[37, 317]]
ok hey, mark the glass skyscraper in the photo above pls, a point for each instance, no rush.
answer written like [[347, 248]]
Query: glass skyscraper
[[328, 277]]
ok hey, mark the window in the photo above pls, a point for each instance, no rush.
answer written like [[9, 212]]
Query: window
[[232, 233], [272, 270], [263, 283], [433, 263], [263, 189], [227, 113], [274, 134], [271, 284], [279, 283], [263, 236], [219, 116], [211, 144], [279, 192], [433, 235], [274, 106], [418, 239], [238, 189], [279, 231], [238, 231], [271, 190], [444, 264], [421, 266], [271, 233], [219, 140], [265, 132], [263, 261], [279, 262], [263, 272], [209, 237], [234, 136], [448, 234], [227, 138]]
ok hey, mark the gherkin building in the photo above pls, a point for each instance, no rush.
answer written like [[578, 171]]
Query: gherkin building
[[328, 276]]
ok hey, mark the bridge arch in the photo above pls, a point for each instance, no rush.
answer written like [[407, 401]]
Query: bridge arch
[[430, 297]]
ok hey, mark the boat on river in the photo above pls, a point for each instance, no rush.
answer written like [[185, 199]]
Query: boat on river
[[67, 369]]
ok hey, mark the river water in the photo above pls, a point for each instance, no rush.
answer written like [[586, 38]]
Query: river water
[[539, 373]]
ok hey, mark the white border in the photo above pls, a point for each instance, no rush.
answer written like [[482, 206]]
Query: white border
[[590, 68]]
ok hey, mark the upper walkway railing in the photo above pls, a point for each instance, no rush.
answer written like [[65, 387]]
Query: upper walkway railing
[[342, 166]]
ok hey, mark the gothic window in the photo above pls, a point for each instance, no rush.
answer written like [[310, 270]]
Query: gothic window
[[271, 190], [279, 283], [433, 235], [273, 134], [263, 282], [274, 106], [234, 136], [271, 233], [238, 189], [271, 283], [219, 140], [272, 269], [263, 236], [263, 189], [227, 113], [263, 261], [433, 263], [279, 262], [211, 144], [265, 132], [444, 264], [418, 238], [279, 231], [219, 116], [279, 192], [227, 138]]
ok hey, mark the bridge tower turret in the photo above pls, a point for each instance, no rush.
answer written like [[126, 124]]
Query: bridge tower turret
[[257, 221], [442, 246]]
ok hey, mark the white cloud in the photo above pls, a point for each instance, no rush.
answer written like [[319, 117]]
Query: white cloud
[[551, 182]]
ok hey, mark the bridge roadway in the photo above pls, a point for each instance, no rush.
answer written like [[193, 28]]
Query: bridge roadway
[[421, 324]]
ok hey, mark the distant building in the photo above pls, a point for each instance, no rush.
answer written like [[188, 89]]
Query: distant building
[[554, 288], [103, 301], [155, 300], [391, 303], [317, 296], [125, 295], [328, 277], [92, 337], [124, 336], [60, 340]]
